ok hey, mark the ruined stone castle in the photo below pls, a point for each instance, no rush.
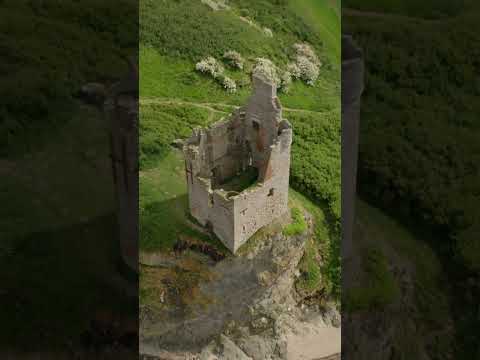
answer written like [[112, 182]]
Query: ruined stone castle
[[238, 169]]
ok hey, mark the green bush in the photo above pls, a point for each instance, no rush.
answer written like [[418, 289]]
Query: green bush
[[310, 280], [298, 225]]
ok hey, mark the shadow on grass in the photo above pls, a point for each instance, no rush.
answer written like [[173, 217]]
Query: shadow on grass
[[53, 284], [165, 224]]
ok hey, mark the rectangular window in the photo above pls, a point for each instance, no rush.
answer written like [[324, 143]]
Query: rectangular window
[[271, 192]]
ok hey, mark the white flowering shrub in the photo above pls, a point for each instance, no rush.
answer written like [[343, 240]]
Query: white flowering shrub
[[306, 50], [294, 70], [307, 64], [286, 81], [309, 70], [210, 66], [268, 32], [216, 4], [213, 68], [266, 68], [229, 85], [234, 59]]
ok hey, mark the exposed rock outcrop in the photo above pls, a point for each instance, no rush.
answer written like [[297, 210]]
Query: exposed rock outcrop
[[252, 312]]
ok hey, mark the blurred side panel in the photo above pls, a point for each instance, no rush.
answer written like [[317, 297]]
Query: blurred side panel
[[68, 179]]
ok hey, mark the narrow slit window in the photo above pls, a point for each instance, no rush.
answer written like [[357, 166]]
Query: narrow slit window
[[271, 192]]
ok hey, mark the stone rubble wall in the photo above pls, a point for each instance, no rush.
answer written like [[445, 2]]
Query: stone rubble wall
[[258, 207], [254, 135]]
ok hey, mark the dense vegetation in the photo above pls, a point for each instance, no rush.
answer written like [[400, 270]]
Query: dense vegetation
[[426, 8], [419, 149], [418, 135], [176, 35], [298, 224], [161, 124], [315, 168], [40, 43], [190, 30]]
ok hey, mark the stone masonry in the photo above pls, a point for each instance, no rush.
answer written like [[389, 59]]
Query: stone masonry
[[255, 139]]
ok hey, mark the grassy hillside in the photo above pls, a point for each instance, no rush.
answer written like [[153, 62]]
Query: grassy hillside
[[325, 18], [398, 274], [49, 49], [418, 134], [419, 153], [175, 98], [57, 222]]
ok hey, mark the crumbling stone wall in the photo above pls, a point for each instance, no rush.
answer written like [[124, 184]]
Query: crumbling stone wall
[[253, 136]]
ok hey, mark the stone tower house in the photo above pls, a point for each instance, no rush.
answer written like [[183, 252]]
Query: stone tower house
[[238, 169]]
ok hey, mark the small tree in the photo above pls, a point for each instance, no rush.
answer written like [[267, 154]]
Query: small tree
[[307, 64], [229, 84], [234, 59], [210, 66], [309, 70], [294, 70]]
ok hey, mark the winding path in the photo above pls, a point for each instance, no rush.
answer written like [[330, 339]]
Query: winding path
[[209, 106]]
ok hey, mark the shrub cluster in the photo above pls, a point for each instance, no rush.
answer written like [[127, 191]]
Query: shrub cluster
[[294, 70], [228, 84], [298, 225], [213, 68], [286, 81], [210, 66], [315, 166], [234, 59], [268, 32], [216, 4], [307, 64], [266, 69], [188, 29]]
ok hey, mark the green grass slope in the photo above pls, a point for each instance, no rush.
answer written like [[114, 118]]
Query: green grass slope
[[419, 153], [40, 43], [175, 98]]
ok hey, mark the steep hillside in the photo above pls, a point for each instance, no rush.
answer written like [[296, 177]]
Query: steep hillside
[[175, 98], [419, 153], [188, 278]]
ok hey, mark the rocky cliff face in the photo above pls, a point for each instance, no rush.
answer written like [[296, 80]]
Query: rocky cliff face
[[251, 310]]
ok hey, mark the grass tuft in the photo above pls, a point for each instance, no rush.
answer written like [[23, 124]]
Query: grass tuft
[[298, 225]]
